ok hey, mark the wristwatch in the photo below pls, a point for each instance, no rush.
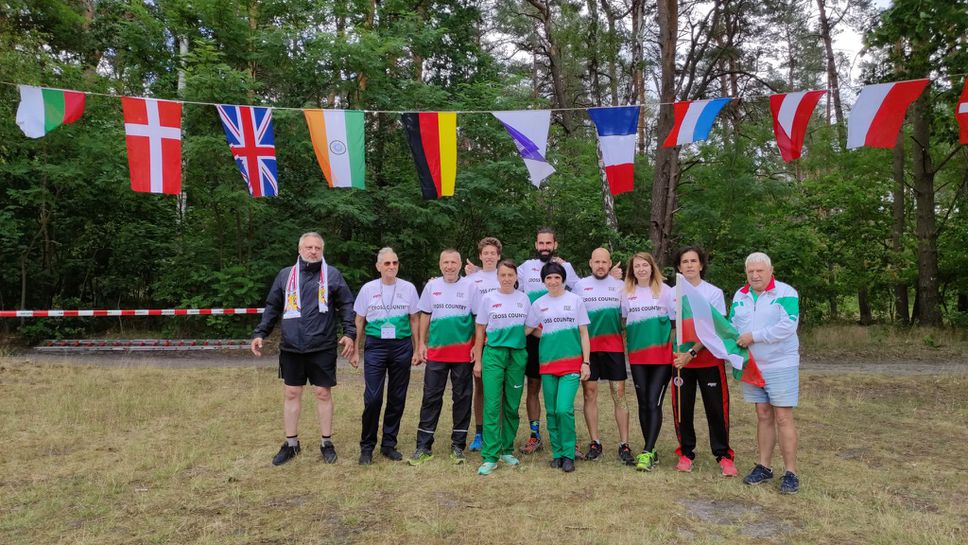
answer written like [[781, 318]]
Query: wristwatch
[[693, 353], [586, 363]]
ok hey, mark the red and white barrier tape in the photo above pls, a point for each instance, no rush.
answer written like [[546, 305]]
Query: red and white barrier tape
[[128, 345], [128, 312]]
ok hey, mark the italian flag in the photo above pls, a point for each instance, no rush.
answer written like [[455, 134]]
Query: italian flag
[[338, 142], [699, 321], [43, 110]]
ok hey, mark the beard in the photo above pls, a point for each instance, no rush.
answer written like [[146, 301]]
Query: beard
[[545, 255], [600, 276], [311, 261]]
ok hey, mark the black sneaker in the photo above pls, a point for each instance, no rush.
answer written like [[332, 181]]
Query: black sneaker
[[556, 463], [285, 454], [567, 465], [391, 453], [789, 483], [759, 475], [329, 452], [366, 457], [594, 451], [625, 454]]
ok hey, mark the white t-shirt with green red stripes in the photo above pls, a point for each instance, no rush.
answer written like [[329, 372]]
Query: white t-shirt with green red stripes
[[485, 281], [529, 278], [648, 324], [559, 352], [387, 305], [504, 314], [603, 302], [450, 304]]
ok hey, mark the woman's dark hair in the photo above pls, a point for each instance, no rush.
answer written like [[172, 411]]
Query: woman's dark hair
[[509, 263], [683, 251], [553, 268]]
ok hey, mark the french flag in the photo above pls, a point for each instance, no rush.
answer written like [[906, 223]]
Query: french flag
[[616, 129], [693, 120], [791, 115], [879, 112]]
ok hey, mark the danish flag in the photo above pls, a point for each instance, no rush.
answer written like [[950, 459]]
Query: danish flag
[[249, 132], [961, 113], [152, 131]]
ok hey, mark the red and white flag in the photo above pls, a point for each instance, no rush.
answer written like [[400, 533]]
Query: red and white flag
[[152, 131], [791, 115], [961, 114], [879, 113]]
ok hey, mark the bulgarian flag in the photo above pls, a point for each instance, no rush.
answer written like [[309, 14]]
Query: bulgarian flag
[[699, 321], [42, 110]]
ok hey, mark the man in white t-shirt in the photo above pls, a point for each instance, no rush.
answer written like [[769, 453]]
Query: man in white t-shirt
[[485, 280]]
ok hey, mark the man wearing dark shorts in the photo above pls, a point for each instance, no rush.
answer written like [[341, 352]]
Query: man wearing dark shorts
[[602, 295], [310, 297]]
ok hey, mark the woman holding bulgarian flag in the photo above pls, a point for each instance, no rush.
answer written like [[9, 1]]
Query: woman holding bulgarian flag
[[698, 367], [647, 309]]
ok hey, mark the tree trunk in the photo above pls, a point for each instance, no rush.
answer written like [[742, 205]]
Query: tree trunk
[[595, 47], [666, 159], [925, 229], [553, 53], [832, 78], [608, 200], [638, 68], [864, 306], [610, 17], [902, 313]]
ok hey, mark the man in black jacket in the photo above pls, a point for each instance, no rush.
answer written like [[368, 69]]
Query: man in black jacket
[[310, 297]]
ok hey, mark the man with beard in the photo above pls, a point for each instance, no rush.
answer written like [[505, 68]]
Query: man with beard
[[311, 297], [531, 283], [601, 293]]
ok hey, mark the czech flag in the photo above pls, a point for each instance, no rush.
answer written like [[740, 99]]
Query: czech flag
[[879, 112], [433, 141], [616, 128], [791, 115], [694, 120]]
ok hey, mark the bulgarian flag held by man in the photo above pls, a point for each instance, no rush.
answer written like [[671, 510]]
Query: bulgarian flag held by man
[[697, 320]]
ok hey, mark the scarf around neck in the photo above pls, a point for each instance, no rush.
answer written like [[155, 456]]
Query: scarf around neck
[[293, 308]]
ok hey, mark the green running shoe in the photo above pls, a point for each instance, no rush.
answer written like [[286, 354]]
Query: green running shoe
[[457, 456], [486, 468], [509, 459], [419, 457], [645, 461]]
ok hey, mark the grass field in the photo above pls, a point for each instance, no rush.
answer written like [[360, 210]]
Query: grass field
[[147, 455]]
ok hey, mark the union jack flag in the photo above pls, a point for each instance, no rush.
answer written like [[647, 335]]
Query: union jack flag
[[249, 132]]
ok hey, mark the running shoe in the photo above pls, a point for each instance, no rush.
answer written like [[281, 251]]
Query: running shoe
[[789, 483], [533, 445], [391, 453], [285, 454], [457, 456], [729, 468], [509, 459], [645, 461], [556, 463], [366, 457], [420, 456], [759, 475], [486, 468], [685, 464], [567, 465], [476, 443], [625, 454], [329, 452], [594, 451]]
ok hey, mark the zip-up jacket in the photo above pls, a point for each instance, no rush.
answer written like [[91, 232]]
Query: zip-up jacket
[[312, 331], [772, 318]]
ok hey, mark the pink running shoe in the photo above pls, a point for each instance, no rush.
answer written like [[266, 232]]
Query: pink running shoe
[[729, 468], [685, 464]]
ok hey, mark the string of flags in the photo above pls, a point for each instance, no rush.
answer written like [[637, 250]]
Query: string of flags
[[153, 135]]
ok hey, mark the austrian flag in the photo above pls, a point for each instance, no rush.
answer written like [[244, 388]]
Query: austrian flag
[[791, 114], [152, 131], [878, 114]]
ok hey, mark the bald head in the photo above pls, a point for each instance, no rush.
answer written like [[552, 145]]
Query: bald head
[[600, 263]]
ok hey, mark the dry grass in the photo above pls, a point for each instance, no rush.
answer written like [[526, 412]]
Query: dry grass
[[142, 455], [883, 342]]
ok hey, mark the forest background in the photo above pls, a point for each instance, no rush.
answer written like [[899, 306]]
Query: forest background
[[867, 236]]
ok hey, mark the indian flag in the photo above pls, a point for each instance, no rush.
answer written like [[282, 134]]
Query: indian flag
[[339, 145], [699, 321], [43, 110]]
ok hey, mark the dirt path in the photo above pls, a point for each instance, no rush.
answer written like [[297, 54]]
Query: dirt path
[[240, 358]]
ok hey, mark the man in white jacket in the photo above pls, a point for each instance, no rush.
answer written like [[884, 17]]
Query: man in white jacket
[[766, 313]]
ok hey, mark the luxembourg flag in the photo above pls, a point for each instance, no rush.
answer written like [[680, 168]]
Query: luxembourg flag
[[693, 120], [879, 112], [699, 321], [616, 128], [791, 115]]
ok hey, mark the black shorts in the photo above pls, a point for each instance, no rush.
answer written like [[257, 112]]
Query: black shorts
[[533, 368], [607, 366], [319, 368]]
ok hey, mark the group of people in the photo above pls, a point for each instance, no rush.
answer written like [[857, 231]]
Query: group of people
[[504, 330]]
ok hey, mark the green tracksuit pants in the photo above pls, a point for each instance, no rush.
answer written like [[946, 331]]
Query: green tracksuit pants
[[502, 372], [559, 399]]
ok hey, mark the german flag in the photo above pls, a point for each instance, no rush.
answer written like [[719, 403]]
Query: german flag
[[433, 140]]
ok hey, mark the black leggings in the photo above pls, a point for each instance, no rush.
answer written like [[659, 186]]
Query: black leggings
[[651, 382]]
